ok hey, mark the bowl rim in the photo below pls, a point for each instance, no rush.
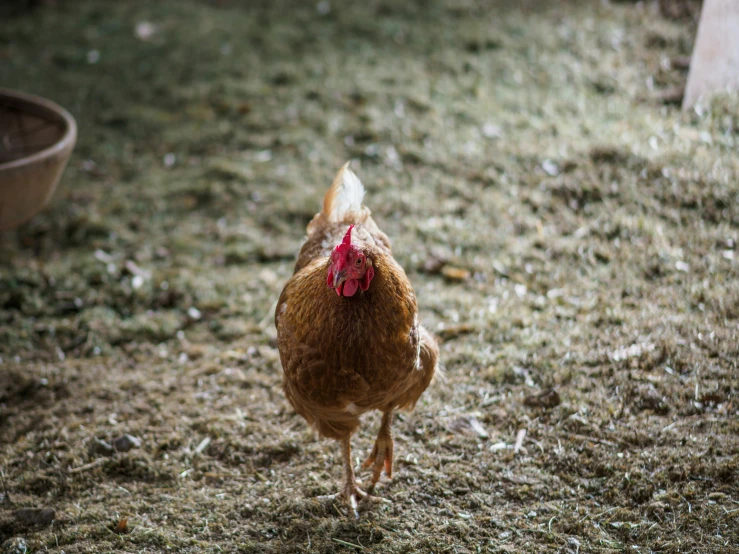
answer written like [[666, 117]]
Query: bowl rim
[[66, 141]]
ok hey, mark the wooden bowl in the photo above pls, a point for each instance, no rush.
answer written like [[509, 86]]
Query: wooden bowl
[[36, 140]]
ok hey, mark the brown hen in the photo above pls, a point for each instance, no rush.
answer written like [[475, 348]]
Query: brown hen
[[348, 331]]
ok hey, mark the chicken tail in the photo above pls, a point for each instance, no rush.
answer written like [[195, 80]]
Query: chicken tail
[[342, 206], [343, 201]]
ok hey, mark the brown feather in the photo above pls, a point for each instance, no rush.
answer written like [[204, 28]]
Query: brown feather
[[344, 356]]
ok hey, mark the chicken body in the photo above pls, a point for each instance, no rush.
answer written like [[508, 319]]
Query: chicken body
[[345, 355]]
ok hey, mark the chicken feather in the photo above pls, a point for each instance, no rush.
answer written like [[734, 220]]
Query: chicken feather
[[344, 355]]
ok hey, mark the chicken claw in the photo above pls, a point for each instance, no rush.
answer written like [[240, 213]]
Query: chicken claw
[[380, 458], [382, 453], [353, 496], [351, 493]]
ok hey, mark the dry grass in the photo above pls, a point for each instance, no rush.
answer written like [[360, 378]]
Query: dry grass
[[564, 229]]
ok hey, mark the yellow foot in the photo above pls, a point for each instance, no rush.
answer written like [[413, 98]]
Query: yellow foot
[[353, 496], [380, 457]]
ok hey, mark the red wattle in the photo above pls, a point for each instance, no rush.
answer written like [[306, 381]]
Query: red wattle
[[350, 287], [367, 279]]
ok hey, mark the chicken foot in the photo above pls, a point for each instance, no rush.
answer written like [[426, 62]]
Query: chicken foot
[[350, 491], [382, 453]]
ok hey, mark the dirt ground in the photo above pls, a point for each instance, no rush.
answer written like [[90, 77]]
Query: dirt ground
[[572, 237]]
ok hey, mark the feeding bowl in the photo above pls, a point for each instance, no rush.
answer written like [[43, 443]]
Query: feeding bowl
[[36, 139]]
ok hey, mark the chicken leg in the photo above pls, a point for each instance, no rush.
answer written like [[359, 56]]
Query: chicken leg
[[351, 492], [382, 454]]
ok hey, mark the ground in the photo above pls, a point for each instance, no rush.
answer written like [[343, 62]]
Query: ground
[[572, 237]]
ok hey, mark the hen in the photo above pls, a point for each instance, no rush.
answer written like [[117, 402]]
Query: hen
[[348, 331]]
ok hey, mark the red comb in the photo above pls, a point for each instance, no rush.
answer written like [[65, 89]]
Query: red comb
[[348, 237], [347, 241]]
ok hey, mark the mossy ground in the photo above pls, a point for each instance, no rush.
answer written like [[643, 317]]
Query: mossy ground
[[565, 226]]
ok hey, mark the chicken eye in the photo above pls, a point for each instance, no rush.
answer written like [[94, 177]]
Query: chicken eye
[[358, 262]]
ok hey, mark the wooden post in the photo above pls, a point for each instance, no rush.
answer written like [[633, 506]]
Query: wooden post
[[714, 65]]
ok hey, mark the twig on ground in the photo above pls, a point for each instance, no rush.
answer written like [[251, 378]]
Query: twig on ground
[[593, 439], [91, 465], [351, 544], [519, 440]]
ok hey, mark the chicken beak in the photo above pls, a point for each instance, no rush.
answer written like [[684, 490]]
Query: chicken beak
[[339, 277]]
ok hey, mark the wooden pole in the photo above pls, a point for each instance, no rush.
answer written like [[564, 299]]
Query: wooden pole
[[714, 65]]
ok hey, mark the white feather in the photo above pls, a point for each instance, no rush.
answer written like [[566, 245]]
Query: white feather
[[349, 196], [353, 409]]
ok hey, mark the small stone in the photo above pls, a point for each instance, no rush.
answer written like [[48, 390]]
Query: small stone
[[124, 443], [195, 351], [468, 425], [455, 273], [101, 447], [491, 131], [263, 156], [145, 30], [14, 546], [550, 168], [35, 516], [548, 398], [432, 265]]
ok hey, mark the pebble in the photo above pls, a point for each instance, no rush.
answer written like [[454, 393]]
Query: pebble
[[124, 443], [491, 131], [35, 516], [455, 273], [14, 546], [548, 398], [551, 168], [467, 425], [101, 447]]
